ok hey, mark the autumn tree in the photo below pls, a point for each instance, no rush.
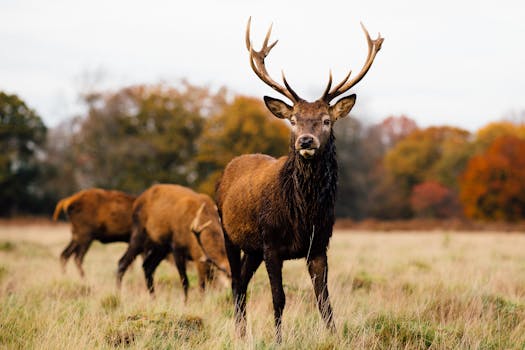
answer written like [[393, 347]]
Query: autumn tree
[[435, 153], [242, 126], [391, 130], [141, 135], [22, 134], [384, 198], [421, 156], [486, 135], [493, 186], [432, 199]]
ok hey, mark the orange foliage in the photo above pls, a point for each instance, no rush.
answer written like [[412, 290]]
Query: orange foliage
[[432, 199], [490, 132], [493, 184]]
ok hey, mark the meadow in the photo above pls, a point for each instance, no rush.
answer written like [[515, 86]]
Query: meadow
[[431, 290]]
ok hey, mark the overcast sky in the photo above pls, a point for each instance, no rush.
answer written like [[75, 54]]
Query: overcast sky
[[454, 62]]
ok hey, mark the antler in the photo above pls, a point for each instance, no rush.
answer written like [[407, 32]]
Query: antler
[[195, 223], [257, 63], [373, 47]]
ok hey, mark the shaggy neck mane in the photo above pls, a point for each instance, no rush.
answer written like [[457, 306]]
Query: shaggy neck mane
[[309, 189]]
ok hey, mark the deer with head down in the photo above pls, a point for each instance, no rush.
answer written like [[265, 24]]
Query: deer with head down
[[174, 219], [278, 209]]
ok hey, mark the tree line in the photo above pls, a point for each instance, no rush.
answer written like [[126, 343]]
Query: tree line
[[136, 136]]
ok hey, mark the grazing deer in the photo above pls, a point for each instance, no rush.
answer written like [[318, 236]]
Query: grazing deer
[[174, 219], [279, 209]]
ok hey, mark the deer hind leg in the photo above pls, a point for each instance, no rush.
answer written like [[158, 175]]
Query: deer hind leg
[[274, 265], [80, 252], [153, 258], [66, 253], [318, 269], [135, 247]]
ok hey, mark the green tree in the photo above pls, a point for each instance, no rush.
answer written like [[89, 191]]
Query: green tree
[[58, 168], [22, 133], [353, 168], [243, 126]]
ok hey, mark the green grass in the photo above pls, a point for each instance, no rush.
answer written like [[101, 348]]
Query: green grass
[[6, 246], [389, 291]]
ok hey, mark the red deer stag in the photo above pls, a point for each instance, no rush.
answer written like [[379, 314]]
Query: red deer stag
[[172, 218], [95, 214], [280, 209]]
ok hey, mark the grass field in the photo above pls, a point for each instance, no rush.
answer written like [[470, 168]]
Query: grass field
[[389, 290]]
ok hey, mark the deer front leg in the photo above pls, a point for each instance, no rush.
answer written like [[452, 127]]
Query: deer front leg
[[318, 269], [180, 263], [239, 301], [274, 265]]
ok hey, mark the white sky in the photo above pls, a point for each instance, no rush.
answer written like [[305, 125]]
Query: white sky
[[449, 62]]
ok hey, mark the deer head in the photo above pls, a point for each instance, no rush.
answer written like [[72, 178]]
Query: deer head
[[213, 252], [311, 121]]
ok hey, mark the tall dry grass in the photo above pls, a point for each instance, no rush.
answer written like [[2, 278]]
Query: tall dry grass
[[396, 290]]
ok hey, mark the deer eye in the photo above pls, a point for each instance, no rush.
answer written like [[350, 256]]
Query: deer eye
[[293, 122], [326, 122]]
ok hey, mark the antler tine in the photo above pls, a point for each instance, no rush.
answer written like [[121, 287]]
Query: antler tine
[[328, 86], [325, 94], [267, 38], [203, 226], [289, 88], [195, 223], [247, 37], [258, 65], [373, 48], [338, 86]]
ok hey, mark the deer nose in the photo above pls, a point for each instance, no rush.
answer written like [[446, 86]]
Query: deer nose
[[306, 141]]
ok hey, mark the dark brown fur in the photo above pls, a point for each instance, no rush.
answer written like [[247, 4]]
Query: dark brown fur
[[275, 210], [162, 217], [279, 209], [95, 214]]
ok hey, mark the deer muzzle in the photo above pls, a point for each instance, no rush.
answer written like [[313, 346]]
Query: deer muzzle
[[307, 145]]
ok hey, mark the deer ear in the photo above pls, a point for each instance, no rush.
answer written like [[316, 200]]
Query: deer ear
[[278, 108], [342, 107]]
